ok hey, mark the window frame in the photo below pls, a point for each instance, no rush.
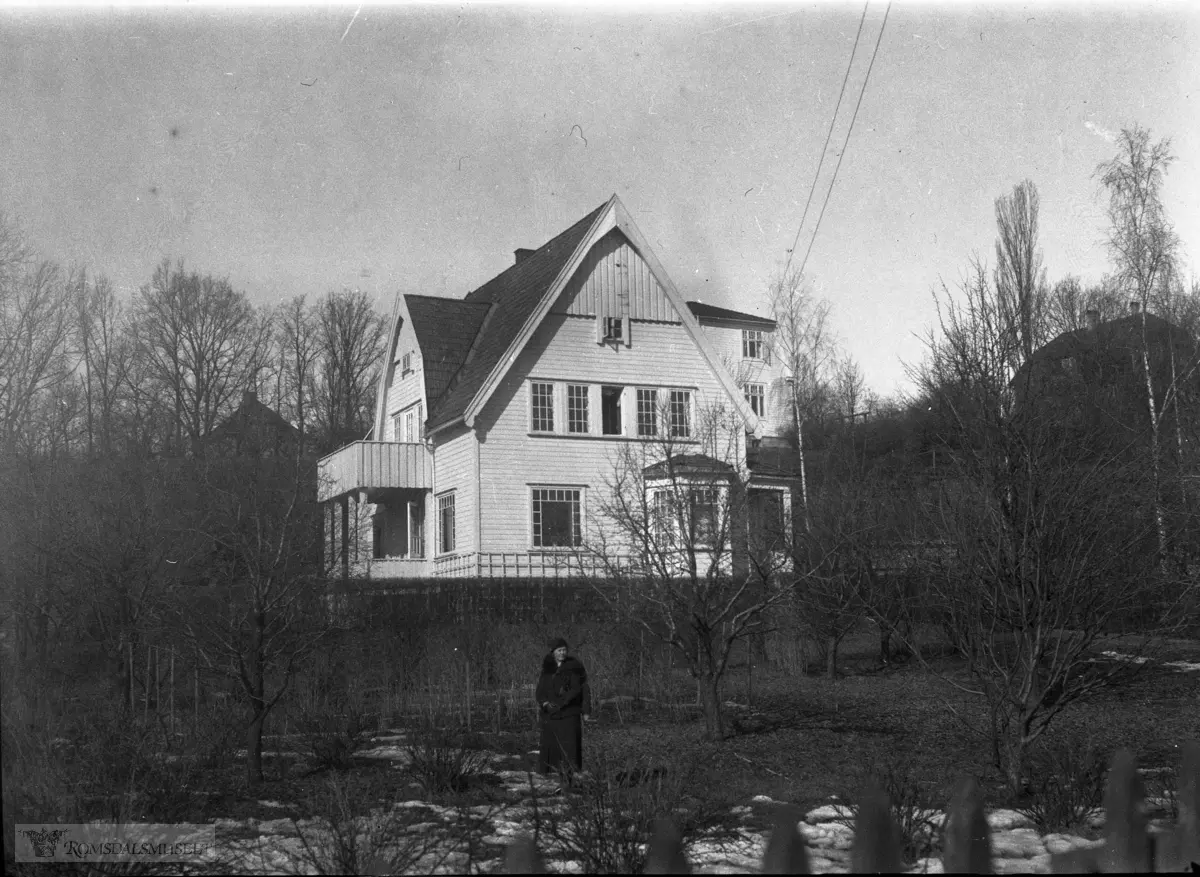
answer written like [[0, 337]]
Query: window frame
[[548, 398], [755, 392], [576, 497], [647, 412], [406, 364], [446, 501], [754, 345], [578, 402], [681, 409]]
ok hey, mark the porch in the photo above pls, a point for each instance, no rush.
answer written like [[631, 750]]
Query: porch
[[375, 494]]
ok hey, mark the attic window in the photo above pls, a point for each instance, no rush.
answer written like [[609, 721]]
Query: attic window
[[406, 364], [612, 329]]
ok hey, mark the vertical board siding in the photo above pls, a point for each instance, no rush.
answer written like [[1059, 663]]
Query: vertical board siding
[[614, 280], [375, 464], [564, 350]]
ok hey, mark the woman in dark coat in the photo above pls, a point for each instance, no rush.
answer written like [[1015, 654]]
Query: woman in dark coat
[[563, 699]]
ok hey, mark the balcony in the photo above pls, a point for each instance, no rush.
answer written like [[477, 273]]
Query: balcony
[[374, 467]]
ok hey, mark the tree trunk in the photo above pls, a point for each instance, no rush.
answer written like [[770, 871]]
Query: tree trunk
[[254, 735], [710, 702], [831, 657], [1014, 761]]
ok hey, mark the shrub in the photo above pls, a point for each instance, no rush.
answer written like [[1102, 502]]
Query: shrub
[[1065, 782], [337, 840], [913, 805], [443, 760], [610, 813], [332, 737]]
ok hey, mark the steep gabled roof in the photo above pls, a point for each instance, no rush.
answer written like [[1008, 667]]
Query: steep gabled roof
[[445, 329], [522, 295], [703, 312], [513, 295]]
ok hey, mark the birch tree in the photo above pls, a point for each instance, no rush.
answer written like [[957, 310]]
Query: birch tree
[[804, 345], [1144, 248]]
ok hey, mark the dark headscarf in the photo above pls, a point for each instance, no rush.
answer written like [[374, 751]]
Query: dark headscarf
[[558, 643]]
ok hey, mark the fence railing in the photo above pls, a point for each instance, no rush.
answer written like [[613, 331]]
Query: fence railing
[[524, 565], [1129, 844]]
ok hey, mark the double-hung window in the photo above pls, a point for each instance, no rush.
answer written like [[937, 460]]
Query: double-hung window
[[647, 413], [681, 414], [756, 398], [577, 408], [542, 406], [754, 345], [557, 517], [446, 535]]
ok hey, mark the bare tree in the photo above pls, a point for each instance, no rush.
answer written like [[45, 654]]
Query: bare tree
[[1020, 278], [262, 614], [107, 358], [1047, 528], [35, 337], [351, 338], [804, 345], [197, 338], [300, 347], [671, 532], [1144, 249]]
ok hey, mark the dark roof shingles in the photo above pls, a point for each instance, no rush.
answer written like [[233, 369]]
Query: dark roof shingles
[[514, 294], [445, 328]]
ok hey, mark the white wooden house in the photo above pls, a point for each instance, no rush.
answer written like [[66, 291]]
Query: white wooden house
[[498, 414]]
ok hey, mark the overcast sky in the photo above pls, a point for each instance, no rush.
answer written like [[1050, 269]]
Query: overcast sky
[[412, 149]]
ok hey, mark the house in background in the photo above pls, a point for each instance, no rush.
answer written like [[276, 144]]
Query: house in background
[[254, 428], [499, 415]]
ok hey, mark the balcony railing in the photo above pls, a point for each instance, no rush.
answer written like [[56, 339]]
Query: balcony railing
[[373, 466]]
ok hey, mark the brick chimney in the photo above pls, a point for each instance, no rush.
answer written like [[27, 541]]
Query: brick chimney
[[1093, 318], [521, 254]]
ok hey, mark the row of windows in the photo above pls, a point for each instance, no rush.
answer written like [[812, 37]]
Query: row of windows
[[557, 516], [655, 410]]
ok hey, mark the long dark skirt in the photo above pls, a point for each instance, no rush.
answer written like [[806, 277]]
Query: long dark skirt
[[562, 744]]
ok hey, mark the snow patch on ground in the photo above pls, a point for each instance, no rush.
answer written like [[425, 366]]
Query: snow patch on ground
[[272, 846]]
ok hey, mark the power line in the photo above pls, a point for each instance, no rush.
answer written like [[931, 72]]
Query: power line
[[846, 142], [828, 134]]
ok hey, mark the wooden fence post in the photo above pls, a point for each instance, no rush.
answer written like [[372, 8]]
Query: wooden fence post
[[146, 687], [172, 694]]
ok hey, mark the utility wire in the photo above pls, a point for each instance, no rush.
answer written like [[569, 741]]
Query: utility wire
[[846, 142], [828, 134]]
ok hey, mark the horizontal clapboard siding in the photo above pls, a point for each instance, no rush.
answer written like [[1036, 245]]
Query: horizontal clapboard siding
[[454, 469], [403, 389], [564, 349], [727, 341], [614, 281]]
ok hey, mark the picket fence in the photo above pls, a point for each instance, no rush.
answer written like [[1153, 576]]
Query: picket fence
[[1130, 846]]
